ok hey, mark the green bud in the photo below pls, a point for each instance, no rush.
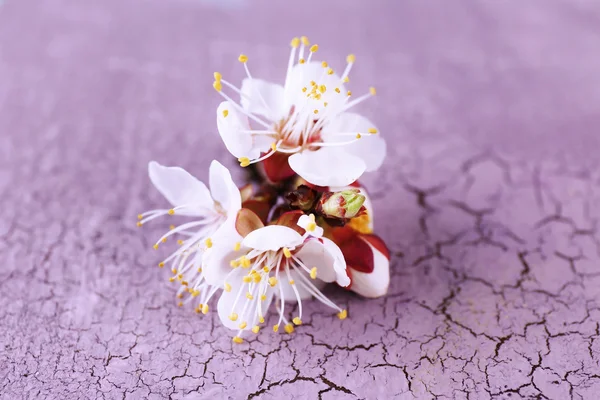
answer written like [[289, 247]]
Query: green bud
[[345, 204]]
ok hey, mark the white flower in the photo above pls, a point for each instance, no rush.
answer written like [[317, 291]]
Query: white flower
[[307, 119], [273, 261], [212, 211]]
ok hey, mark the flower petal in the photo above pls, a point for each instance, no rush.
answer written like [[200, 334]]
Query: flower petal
[[230, 128], [285, 290], [301, 77], [216, 261], [223, 189], [371, 148], [375, 283], [247, 221], [306, 222], [327, 257], [180, 188], [245, 309], [328, 166], [254, 91], [272, 237]]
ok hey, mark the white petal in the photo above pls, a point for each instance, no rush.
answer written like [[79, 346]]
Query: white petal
[[180, 188], [272, 237], [225, 306], [301, 77], [223, 189], [328, 166], [377, 282], [230, 128], [305, 221], [288, 290], [254, 91], [314, 254], [339, 265], [216, 262], [370, 148]]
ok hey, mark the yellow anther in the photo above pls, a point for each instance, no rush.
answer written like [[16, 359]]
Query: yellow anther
[[233, 317], [161, 264], [349, 93], [301, 61], [305, 41], [225, 113], [244, 161], [304, 89], [245, 262], [197, 309], [174, 271], [295, 42], [372, 131], [255, 328], [208, 242], [263, 297], [322, 88], [195, 293], [316, 111], [172, 279], [179, 277], [289, 328], [140, 216], [243, 325], [286, 252], [180, 304], [247, 279], [184, 283], [297, 321], [342, 314], [180, 295], [257, 278], [325, 104], [217, 85], [372, 91], [314, 48], [227, 287], [205, 309], [155, 246], [350, 58], [199, 270], [234, 263], [318, 96], [292, 282], [324, 64], [180, 242], [313, 273], [330, 71], [346, 79], [358, 136], [272, 281], [261, 319], [337, 89], [238, 340], [274, 146], [237, 246], [217, 76], [275, 328], [164, 240], [139, 224], [171, 211], [311, 226], [313, 83], [171, 227], [249, 296], [243, 58], [266, 269]]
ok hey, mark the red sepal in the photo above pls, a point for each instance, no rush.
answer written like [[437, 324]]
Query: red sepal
[[277, 168]]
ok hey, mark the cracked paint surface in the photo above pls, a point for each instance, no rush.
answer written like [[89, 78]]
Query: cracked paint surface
[[489, 200]]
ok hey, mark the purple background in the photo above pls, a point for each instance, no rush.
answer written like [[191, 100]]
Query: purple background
[[489, 199]]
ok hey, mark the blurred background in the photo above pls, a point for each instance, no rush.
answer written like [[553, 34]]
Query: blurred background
[[488, 197]]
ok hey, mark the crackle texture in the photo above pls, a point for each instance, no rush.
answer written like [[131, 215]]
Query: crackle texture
[[489, 199]]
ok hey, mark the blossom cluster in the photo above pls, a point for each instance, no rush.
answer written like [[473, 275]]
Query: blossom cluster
[[301, 222]]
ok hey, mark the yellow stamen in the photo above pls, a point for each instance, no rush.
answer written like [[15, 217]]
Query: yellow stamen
[[372, 131], [289, 328], [237, 246], [350, 58], [244, 161], [274, 146], [372, 91], [286, 252], [272, 281], [140, 216], [325, 104], [249, 296], [245, 262], [266, 269], [301, 61], [275, 328], [263, 297], [225, 113], [174, 271], [247, 279], [227, 287], [304, 90], [139, 224], [180, 242], [180, 304], [305, 41], [171, 227], [256, 328], [234, 263], [217, 76], [358, 136], [180, 295], [233, 317], [164, 240], [314, 48], [346, 79], [217, 85], [205, 309], [172, 279], [337, 89], [243, 58], [243, 325], [342, 314], [199, 269], [171, 212], [238, 340], [311, 226], [322, 88], [297, 321], [295, 42], [349, 93], [261, 319], [155, 246], [316, 111], [161, 264], [313, 273], [330, 71], [208, 242], [292, 282], [324, 64]]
